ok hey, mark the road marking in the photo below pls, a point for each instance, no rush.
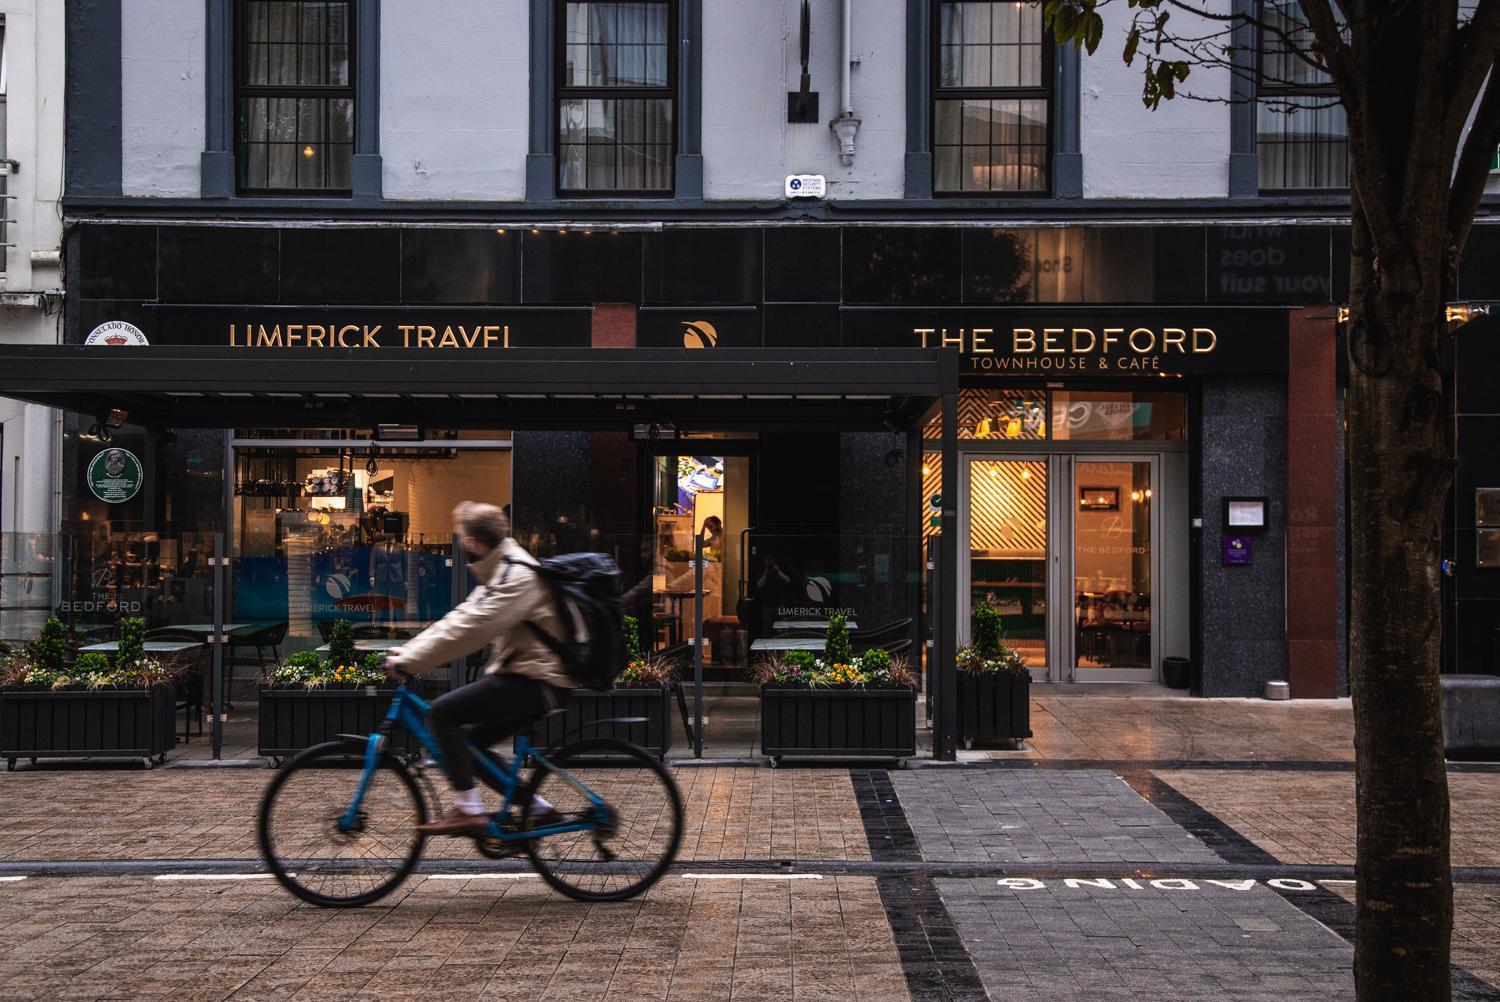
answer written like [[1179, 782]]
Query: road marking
[[1335, 881], [478, 876], [217, 876], [752, 876], [10, 880]]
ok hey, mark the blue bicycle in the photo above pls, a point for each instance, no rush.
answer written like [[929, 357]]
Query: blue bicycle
[[341, 837]]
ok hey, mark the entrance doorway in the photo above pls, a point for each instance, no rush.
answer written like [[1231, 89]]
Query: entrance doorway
[[1068, 547]]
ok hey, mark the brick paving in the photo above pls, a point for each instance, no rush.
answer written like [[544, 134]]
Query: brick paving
[[200, 813], [447, 939], [1308, 817], [1039, 816]]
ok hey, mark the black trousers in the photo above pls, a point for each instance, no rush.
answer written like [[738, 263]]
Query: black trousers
[[486, 712]]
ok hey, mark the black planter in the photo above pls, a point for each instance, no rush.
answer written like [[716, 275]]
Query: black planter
[[838, 723], [586, 706], [993, 706], [98, 723], [294, 719]]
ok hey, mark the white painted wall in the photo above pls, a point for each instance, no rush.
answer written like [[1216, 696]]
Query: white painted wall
[[1180, 150], [751, 60], [34, 43], [162, 101], [454, 99]]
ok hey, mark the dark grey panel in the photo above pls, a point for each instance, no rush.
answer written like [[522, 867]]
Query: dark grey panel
[[92, 106], [216, 264], [340, 266]]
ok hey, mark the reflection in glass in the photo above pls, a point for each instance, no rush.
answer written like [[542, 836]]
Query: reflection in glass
[[1112, 565], [1008, 549], [1084, 416]]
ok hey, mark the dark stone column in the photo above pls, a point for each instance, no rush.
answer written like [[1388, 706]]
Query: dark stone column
[[1312, 520]]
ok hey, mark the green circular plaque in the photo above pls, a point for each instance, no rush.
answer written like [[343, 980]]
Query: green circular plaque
[[115, 475]]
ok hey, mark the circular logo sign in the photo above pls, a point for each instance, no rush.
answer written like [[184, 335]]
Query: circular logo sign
[[116, 332], [115, 475]]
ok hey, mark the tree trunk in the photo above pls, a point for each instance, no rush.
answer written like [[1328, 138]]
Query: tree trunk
[[1399, 475]]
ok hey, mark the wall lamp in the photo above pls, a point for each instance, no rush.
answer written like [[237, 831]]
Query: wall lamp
[[108, 420]]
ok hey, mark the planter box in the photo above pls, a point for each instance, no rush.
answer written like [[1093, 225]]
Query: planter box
[[993, 706], [838, 723], [295, 719], [126, 723], [586, 706]]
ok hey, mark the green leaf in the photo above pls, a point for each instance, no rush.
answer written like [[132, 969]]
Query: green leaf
[[1132, 43], [1093, 31], [1180, 69]]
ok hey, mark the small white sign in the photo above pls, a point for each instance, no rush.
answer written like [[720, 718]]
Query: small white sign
[[806, 186], [116, 332]]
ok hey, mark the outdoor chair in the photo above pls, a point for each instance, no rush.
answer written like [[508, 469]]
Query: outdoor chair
[[189, 685], [863, 640], [898, 648]]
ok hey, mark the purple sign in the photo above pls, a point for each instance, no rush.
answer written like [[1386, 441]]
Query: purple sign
[[1236, 551]]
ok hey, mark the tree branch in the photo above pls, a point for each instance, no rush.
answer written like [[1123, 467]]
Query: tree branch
[[1337, 55], [1475, 51]]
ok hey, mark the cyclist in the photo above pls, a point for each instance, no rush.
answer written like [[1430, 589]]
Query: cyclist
[[524, 678]]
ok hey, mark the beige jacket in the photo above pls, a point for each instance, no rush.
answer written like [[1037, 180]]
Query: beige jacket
[[496, 613]]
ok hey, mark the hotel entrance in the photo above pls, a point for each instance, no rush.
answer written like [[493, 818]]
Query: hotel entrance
[[1077, 535]]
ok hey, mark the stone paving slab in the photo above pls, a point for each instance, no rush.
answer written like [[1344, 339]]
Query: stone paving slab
[[1308, 817], [86, 938], [1476, 929], [1038, 816], [198, 813], [1054, 943]]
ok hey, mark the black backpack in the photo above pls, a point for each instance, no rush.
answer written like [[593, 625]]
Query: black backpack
[[585, 586]]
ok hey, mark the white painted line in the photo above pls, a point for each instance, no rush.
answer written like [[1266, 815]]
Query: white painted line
[[478, 876], [752, 876], [10, 880], [217, 876], [1335, 881]]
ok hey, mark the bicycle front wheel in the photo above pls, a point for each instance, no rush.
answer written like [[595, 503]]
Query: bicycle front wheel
[[641, 820], [313, 853]]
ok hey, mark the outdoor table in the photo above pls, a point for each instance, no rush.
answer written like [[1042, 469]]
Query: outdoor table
[[808, 624], [149, 646], [206, 629], [789, 644], [367, 646]]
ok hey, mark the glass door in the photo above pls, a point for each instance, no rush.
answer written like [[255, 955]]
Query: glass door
[[1112, 569], [1005, 508]]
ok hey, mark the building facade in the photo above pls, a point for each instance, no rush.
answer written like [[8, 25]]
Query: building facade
[[939, 315]]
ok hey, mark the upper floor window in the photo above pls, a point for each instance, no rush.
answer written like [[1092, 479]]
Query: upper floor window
[[1302, 137], [616, 98], [992, 99], [294, 93]]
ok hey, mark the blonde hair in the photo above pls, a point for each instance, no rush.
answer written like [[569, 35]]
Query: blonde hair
[[484, 522]]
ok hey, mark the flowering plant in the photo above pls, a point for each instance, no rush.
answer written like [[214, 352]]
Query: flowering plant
[[306, 670], [796, 669]]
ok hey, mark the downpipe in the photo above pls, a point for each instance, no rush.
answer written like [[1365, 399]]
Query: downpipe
[[845, 126]]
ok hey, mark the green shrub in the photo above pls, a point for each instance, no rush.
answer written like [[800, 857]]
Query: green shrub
[[341, 644], [632, 628], [985, 627], [50, 652], [132, 642], [93, 663], [375, 663], [802, 660], [876, 664], [839, 651]]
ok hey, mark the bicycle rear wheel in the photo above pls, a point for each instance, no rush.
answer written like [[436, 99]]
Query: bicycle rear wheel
[[637, 843], [299, 827]]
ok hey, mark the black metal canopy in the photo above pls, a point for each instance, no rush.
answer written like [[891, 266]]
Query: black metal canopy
[[163, 386]]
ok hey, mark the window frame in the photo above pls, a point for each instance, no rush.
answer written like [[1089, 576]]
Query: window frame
[[1288, 90], [243, 90], [1046, 91], [562, 92]]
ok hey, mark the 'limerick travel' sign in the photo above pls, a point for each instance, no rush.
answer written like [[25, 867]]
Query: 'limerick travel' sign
[[115, 475]]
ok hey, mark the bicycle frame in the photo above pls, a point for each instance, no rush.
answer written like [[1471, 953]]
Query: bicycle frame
[[410, 710]]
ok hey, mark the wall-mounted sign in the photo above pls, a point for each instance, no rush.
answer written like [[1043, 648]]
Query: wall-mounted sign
[[806, 186], [1487, 506], [695, 327], [1237, 550], [361, 328], [115, 475], [1245, 514], [116, 333], [1063, 341], [1098, 499], [1487, 548]]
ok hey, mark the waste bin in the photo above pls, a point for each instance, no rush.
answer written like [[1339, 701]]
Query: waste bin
[[1177, 672]]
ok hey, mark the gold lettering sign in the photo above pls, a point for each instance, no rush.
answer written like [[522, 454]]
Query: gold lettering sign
[[1080, 349], [312, 335]]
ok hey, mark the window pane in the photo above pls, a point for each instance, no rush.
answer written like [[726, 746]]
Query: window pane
[[1281, 63], [1081, 416], [296, 143], [1018, 415], [1302, 142], [615, 144], [626, 45], [291, 43]]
